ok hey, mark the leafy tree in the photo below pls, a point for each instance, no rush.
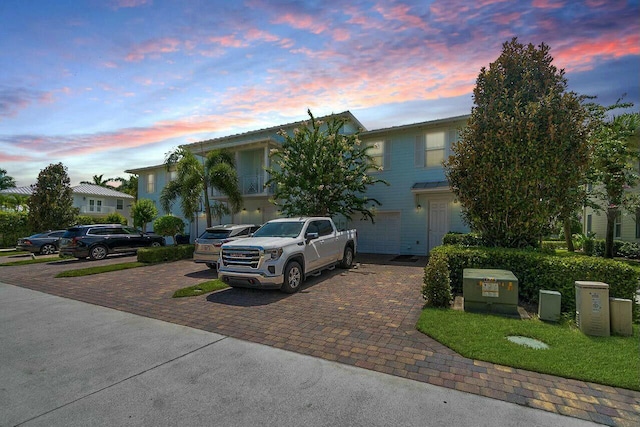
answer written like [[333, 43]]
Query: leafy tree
[[143, 211], [14, 202], [6, 181], [195, 177], [51, 201], [615, 167], [169, 225], [128, 186], [525, 150], [321, 171]]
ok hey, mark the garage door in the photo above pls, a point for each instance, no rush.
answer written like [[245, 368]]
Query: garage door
[[383, 237]]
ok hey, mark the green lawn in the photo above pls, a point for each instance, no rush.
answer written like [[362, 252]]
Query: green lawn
[[611, 361], [11, 253], [200, 289], [100, 269], [29, 261]]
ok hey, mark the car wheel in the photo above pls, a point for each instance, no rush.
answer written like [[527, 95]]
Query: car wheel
[[98, 252], [47, 249], [212, 265], [347, 258], [155, 244], [292, 278]]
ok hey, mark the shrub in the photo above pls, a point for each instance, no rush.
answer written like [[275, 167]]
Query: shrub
[[115, 218], [552, 245], [536, 271], [598, 247], [630, 250], [469, 239], [588, 246], [13, 225], [168, 225], [436, 289], [165, 253]]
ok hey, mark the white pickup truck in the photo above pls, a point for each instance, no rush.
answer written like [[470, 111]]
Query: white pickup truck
[[283, 252]]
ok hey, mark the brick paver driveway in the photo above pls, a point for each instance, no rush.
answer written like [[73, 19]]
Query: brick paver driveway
[[365, 317]]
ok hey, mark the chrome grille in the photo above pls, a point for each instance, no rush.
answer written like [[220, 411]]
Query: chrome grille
[[247, 257]]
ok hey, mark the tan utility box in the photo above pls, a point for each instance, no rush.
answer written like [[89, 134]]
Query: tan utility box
[[491, 291], [592, 308], [621, 322], [549, 305]]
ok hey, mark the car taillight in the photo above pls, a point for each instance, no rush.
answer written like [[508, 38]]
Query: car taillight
[[221, 242], [75, 240], [27, 242]]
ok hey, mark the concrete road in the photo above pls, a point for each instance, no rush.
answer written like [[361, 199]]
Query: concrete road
[[67, 363]]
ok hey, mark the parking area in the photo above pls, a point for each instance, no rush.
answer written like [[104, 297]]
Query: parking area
[[363, 317]]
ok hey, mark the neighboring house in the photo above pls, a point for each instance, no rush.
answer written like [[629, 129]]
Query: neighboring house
[[92, 200], [417, 209], [626, 226]]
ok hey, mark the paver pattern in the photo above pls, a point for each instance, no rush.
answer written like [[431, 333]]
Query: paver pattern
[[364, 317]]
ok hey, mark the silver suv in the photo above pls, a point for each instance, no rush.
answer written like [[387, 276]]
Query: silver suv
[[208, 244]]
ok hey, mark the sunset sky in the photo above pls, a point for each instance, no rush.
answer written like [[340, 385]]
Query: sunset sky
[[108, 85]]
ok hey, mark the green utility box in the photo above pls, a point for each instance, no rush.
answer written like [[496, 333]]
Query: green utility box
[[490, 291], [549, 305]]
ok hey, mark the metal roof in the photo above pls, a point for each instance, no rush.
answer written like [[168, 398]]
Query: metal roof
[[96, 190], [18, 191], [420, 187]]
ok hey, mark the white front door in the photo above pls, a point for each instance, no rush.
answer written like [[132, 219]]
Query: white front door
[[438, 222]]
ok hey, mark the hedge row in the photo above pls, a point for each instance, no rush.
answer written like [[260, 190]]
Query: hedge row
[[13, 225], [536, 271], [165, 253]]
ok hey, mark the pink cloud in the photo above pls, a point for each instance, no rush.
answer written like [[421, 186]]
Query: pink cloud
[[301, 22], [121, 4], [153, 48], [507, 19], [227, 41], [402, 14], [582, 55], [547, 4]]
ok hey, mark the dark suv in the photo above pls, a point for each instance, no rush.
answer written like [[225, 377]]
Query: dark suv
[[99, 240]]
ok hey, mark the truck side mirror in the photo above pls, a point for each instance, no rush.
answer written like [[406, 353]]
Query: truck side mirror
[[311, 236]]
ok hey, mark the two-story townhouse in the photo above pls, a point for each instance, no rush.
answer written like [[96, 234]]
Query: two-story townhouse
[[417, 209]]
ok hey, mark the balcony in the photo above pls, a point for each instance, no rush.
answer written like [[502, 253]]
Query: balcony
[[249, 184], [96, 210]]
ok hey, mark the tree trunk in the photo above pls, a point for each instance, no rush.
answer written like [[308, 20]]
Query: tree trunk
[[567, 234], [611, 219], [207, 208]]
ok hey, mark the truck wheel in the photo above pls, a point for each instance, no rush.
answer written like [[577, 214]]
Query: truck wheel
[[347, 258], [292, 278]]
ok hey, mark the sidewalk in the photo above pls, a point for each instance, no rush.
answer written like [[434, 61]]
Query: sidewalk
[[68, 363]]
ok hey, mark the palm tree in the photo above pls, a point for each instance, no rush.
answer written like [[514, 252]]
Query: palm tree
[[97, 180], [128, 186], [195, 177]]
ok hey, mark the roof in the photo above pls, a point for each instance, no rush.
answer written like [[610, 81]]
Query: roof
[[96, 190], [424, 187], [419, 125], [274, 129], [18, 191]]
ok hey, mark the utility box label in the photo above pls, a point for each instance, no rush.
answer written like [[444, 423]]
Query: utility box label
[[490, 289]]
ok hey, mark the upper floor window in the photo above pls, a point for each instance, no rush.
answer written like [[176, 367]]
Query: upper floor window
[[617, 226], [172, 175], [151, 183], [434, 149], [380, 153], [119, 204]]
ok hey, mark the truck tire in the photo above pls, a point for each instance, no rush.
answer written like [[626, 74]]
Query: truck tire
[[347, 258], [292, 278]]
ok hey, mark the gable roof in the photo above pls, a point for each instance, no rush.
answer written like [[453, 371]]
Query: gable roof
[[18, 191], [415, 126], [96, 190]]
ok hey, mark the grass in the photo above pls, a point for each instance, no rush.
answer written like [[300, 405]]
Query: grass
[[200, 289], [29, 261], [611, 361], [100, 269], [12, 253]]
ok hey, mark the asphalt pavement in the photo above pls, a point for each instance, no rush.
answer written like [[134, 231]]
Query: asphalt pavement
[[68, 363]]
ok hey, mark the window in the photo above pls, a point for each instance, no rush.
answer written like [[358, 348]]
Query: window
[[617, 226], [377, 154], [119, 204], [151, 183], [434, 149], [589, 222], [95, 205], [173, 175], [638, 224]]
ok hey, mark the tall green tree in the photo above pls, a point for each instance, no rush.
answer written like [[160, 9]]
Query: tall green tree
[[616, 151], [525, 150], [143, 211], [321, 171], [194, 179], [128, 185], [6, 181], [51, 200]]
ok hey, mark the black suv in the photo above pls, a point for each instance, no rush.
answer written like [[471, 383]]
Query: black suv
[[99, 240]]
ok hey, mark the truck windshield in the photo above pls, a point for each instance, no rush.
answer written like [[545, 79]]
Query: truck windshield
[[280, 229]]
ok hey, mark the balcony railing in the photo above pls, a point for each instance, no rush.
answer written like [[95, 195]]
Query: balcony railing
[[249, 184], [97, 210]]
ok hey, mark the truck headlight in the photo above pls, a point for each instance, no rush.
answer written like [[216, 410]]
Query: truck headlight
[[274, 253]]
